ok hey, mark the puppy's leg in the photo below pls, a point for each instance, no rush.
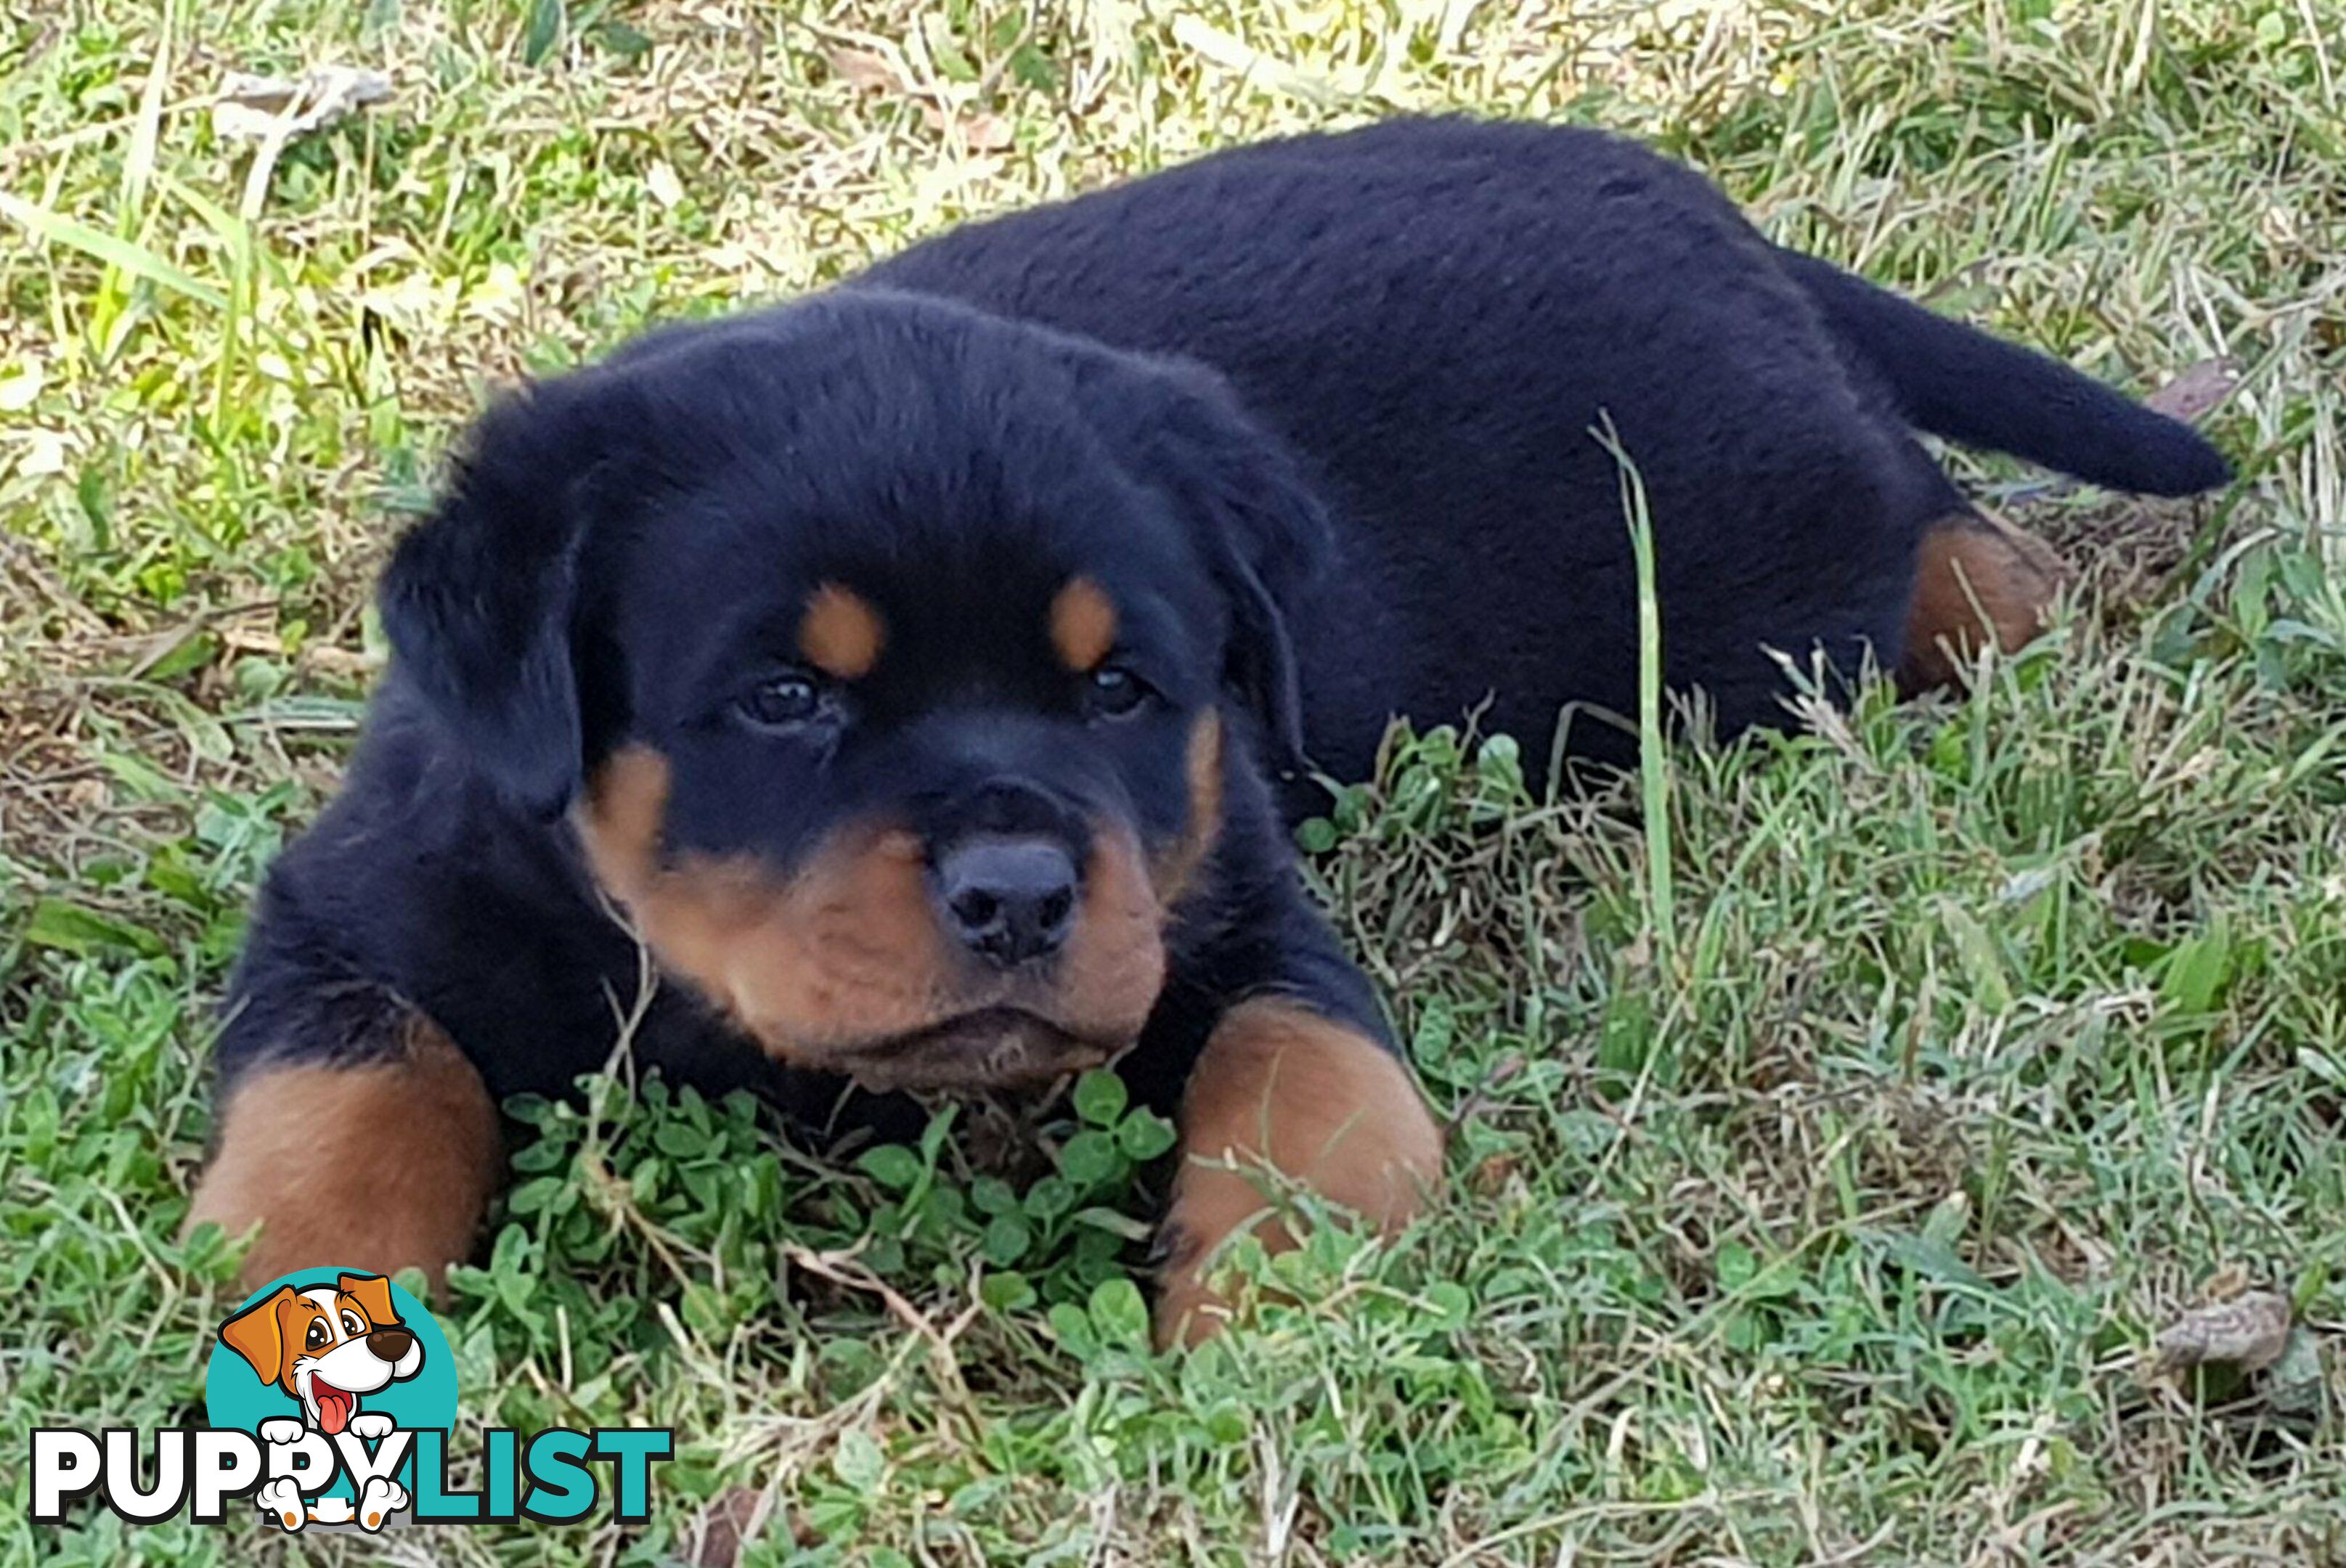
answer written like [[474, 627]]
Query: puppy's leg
[[383, 1164], [1977, 579], [1317, 1102]]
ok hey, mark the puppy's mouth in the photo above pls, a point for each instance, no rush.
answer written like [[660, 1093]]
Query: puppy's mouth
[[334, 1405], [987, 1048]]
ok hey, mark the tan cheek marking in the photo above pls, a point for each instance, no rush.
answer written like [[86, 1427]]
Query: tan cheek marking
[[1318, 1102], [383, 1165], [1175, 869], [1082, 625], [1975, 578], [1115, 966], [845, 951], [620, 821], [842, 633]]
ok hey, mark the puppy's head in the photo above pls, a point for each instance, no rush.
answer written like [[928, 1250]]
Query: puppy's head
[[326, 1346], [894, 663]]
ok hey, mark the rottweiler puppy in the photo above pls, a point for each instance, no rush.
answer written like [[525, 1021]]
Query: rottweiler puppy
[[926, 672]]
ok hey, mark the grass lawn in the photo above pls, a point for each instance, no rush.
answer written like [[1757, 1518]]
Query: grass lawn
[[1819, 1188]]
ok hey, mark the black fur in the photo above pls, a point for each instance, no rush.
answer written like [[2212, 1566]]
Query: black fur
[[1968, 387], [1318, 411]]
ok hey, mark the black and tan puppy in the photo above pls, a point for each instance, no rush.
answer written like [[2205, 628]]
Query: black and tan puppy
[[924, 670]]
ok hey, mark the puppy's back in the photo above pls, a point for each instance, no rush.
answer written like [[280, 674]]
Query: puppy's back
[[1437, 313]]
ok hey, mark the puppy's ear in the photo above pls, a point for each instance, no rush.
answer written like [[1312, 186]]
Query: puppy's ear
[[481, 601], [372, 1293], [1263, 527], [257, 1334]]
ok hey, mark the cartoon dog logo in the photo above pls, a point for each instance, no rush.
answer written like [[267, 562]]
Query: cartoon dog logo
[[328, 1347]]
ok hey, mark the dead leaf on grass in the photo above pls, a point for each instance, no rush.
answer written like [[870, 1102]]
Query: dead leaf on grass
[[732, 1518], [868, 72], [862, 68], [257, 108], [2197, 390], [982, 132], [1492, 1176], [987, 133], [2250, 1332]]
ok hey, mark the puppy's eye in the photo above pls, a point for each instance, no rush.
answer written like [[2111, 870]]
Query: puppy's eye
[[316, 1335], [782, 701], [352, 1324], [1113, 691]]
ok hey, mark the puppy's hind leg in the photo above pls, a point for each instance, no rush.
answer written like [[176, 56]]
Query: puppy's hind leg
[[1977, 580], [381, 1162]]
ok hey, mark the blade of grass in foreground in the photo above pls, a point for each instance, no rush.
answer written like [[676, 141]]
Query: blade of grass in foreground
[[133, 258], [1653, 757]]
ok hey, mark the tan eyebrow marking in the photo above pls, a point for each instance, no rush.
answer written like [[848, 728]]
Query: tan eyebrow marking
[[842, 633], [1083, 624]]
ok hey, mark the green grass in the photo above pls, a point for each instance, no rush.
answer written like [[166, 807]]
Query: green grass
[[1825, 1212]]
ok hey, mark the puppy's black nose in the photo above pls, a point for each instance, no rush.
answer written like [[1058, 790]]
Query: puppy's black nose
[[1009, 899], [390, 1344]]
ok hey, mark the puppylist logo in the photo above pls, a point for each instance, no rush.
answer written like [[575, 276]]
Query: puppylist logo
[[331, 1395]]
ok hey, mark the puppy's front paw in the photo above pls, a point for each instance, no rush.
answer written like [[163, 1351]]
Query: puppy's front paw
[[278, 1430], [379, 1501], [369, 1425], [281, 1501]]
